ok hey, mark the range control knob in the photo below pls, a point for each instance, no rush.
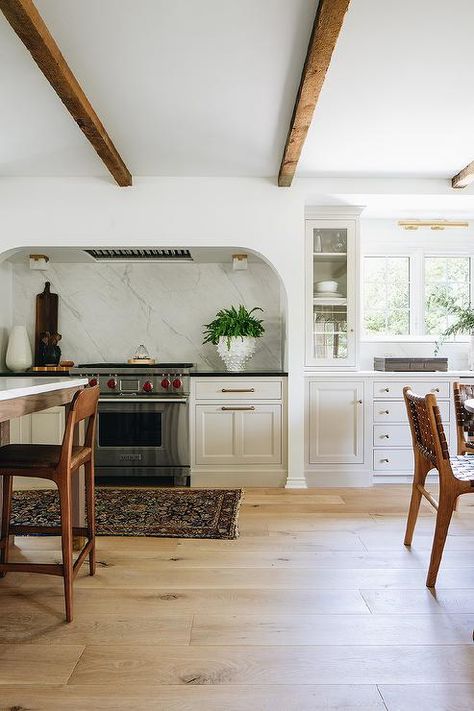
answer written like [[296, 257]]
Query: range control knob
[[165, 383], [112, 383], [147, 386], [92, 382], [177, 383]]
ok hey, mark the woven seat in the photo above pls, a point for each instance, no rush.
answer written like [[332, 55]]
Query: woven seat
[[430, 451], [463, 468], [58, 464]]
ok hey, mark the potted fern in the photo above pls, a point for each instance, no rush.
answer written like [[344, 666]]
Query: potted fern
[[463, 322], [234, 331]]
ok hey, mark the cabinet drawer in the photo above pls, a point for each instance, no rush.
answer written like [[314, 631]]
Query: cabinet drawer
[[392, 436], [395, 411], [393, 460], [238, 389], [394, 389]]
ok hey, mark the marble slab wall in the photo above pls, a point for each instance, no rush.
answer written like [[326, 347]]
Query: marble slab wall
[[107, 310]]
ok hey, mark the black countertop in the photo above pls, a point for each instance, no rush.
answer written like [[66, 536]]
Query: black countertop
[[240, 374], [193, 374]]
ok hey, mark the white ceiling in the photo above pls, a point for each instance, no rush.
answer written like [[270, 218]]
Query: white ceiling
[[398, 98], [206, 88], [183, 87]]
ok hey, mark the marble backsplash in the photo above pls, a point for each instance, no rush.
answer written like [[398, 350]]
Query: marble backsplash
[[107, 310]]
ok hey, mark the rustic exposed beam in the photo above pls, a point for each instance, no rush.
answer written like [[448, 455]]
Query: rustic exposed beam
[[327, 26], [31, 29], [465, 177]]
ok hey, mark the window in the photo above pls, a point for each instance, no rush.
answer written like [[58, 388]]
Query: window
[[397, 293], [387, 296], [450, 276]]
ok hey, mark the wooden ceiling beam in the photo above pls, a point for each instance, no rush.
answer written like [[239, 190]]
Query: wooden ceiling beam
[[33, 32], [464, 178], [327, 26]]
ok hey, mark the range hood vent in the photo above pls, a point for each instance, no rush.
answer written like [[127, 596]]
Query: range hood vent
[[140, 255]]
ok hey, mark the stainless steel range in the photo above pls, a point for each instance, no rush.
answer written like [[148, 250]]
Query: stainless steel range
[[142, 428]]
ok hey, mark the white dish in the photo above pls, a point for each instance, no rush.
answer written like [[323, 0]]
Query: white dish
[[327, 295], [326, 287]]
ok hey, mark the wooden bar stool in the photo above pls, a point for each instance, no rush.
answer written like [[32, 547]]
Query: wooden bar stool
[[464, 420], [57, 463], [430, 451]]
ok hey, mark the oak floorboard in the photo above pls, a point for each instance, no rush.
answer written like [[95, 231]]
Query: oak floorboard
[[138, 697], [305, 629], [37, 664], [420, 601], [432, 697], [140, 603], [275, 665]]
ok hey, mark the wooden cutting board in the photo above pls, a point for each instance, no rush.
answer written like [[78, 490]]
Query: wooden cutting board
[[46, 315]]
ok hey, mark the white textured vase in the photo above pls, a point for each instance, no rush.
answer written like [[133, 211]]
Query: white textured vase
[[19, 355], [471, 353], [236, 350]]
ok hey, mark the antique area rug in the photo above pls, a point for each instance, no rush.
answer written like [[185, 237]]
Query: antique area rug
[[164, 513]]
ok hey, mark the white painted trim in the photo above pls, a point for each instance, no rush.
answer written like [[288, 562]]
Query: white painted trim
[[337, 478]]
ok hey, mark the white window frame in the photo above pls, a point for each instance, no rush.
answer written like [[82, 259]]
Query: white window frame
[[417, 294]]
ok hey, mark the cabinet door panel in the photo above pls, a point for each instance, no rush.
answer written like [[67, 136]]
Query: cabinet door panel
[[336, 422], [238, 434], [216, 441], [261, 435], [47, 427]]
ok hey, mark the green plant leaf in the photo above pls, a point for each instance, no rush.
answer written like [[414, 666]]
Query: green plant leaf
[[233, 322]]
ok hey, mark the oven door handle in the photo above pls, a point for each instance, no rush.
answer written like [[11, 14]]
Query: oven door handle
[[142, 399]]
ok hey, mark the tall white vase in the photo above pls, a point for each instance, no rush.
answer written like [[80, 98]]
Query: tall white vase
[[236, 350], [19, 355]]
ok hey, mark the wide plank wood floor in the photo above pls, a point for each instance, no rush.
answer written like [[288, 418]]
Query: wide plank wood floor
[[318, 605]]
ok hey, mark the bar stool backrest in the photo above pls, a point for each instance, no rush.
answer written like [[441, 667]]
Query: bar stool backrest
[[83, 407], [427, 431]]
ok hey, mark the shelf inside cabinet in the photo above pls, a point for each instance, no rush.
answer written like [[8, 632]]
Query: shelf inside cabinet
[[329, 302], [330, 256]]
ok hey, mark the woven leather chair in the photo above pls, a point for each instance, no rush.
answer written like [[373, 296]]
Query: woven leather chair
[[57, 463], [456, 474], [464, 419]]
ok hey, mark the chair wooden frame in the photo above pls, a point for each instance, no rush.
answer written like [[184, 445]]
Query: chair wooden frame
[[464, 421], [83, 407], [430, 451]]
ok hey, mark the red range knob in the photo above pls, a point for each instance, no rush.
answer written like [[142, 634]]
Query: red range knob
[[177, 383], [92, 382], [165, 383], [148, 387], [112, 383]]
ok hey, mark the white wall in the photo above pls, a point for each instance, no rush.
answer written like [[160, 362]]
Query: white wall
[[5, 308], [248, 213]]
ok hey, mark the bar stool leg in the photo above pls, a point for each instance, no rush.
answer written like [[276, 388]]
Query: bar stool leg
[[65, 498], [6, 515], [90, 506]]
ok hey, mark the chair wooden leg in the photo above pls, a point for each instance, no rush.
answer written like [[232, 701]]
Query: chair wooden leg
[[90, 506], [6, 516], [443, 519], [65, 499], [419, 477]]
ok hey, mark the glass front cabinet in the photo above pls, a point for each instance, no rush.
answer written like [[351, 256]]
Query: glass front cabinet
[[331, 296]]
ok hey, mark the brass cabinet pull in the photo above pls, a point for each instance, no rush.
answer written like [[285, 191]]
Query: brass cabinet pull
[[386, 390], [237, 390], [227, 407], [385, 461], [385, 412], [435, 390], [385, 436], [360, 402]]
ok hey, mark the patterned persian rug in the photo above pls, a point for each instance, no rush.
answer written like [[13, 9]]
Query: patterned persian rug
[[164, 513]]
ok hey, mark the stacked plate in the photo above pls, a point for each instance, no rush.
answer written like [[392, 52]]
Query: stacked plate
[[327, 290]]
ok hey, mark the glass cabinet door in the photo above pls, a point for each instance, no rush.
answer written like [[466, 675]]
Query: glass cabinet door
[[330, 293]]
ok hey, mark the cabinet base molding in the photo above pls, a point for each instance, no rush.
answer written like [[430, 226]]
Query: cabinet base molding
[[223, 477], [326, 478]]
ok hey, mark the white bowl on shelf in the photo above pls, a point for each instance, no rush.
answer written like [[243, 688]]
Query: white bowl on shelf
[[326, 287]]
